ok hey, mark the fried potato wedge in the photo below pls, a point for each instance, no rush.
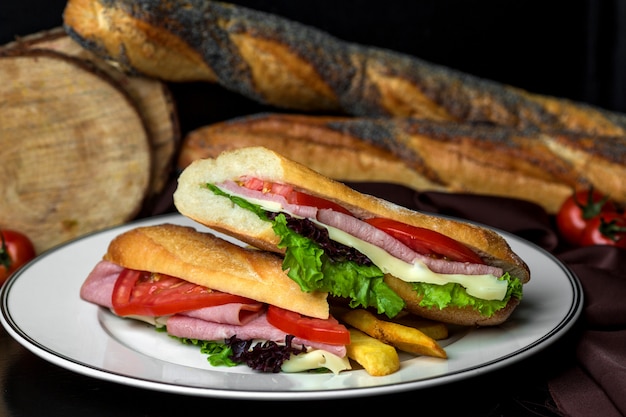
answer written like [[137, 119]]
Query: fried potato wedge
[[405, 338], [376, 357], [435, 329]]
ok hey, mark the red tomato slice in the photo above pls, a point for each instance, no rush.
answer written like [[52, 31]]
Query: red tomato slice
[[253, 183], [292, 196], [425, 241], [316, 330], [146, 294], [303, 199]]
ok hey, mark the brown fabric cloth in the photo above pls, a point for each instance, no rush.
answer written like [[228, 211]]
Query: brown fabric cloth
[[593, 382]]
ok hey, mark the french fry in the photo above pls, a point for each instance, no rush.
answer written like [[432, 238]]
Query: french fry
[[376, 357], [405, 338], [435, 329]]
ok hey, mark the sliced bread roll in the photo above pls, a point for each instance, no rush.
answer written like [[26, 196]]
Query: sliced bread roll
[[194, 199], [204, 259]]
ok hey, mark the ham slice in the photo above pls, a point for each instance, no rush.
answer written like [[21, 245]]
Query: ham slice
[[397, 249], [294, 209], [234, 313], [259, 328], [98, 287]]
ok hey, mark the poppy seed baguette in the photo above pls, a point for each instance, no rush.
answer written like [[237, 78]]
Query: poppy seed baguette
[[277, 61]]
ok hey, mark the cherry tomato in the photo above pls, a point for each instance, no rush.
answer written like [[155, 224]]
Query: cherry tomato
[[577, 210], [16, 249], [426, 241], [605, 229], [147, 294], [316, 330]]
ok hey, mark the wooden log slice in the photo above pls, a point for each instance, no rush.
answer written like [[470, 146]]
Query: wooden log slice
[[74, 151], [152, 97]]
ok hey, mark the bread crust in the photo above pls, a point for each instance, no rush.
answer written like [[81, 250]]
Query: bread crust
[[310, 140], [425, 155], [195, 201], [207, 260]]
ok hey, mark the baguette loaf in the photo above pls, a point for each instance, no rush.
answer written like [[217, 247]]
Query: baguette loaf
[[425, 155], [204, 259], [324, 143], [194, 200], [283, 63]]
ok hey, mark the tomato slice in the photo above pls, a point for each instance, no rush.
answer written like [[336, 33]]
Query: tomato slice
[[148, 294], [292, 196], [303, 199], [426, 241], [316, 330]]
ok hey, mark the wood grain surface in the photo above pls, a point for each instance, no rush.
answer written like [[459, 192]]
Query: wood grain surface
[[74, 151]]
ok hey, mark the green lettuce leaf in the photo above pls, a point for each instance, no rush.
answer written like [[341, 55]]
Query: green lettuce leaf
[[455, 295], [307, 265]]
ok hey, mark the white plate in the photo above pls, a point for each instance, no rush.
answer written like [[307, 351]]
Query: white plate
[[42, 310]]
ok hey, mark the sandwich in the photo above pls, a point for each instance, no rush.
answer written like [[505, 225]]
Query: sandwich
[[362, 250], [201, 288]]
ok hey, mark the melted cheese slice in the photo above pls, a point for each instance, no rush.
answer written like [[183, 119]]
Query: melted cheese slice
[[486, 287]]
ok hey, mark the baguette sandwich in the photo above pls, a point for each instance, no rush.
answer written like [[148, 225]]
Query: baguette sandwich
[[356, 247], [200, 287]]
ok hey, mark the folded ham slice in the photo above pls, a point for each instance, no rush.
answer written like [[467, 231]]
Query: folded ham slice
[[183, 326]]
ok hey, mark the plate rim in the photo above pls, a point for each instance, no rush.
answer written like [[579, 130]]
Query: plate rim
[[60, 359]]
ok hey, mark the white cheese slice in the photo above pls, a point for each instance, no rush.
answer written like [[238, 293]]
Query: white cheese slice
[[486, 287], [316, 359]]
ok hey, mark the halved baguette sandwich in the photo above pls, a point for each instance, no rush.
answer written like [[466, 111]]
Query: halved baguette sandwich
[[203, 288], [359, 248]]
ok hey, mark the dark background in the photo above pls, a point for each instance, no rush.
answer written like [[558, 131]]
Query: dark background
[[573, 49]]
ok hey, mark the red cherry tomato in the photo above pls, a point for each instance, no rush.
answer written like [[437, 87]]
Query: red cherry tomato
[[316, 330], [605, 229], [16, 250], [577, 210], [146, 294], [426, 241]]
